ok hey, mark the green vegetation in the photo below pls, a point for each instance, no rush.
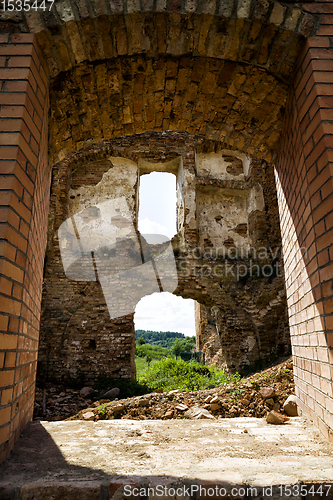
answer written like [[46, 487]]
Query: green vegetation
[[183, 345], [156, 345], [172, 373], [255, 384], [163, 339], [151, 351], [264, 375], [102, 410], [141, 364], [157, 365], [237, 393]]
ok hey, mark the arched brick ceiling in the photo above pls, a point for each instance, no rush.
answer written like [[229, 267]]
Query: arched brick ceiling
[[260, 32], [240, 105], [217, 68]]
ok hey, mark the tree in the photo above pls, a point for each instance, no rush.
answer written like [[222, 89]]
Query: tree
[[188, 344], [141, 341], [177, 347]]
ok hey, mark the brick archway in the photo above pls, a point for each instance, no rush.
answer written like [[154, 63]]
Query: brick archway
[[267, 39]]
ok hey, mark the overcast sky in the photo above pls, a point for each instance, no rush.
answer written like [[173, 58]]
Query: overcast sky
[[157, 204], [157, 215]]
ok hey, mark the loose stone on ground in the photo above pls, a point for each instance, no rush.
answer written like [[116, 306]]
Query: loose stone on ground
[[254, 396]]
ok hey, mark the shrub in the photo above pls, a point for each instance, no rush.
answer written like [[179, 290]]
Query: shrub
[[169, 374], [183, 345], [152, 351], [102, 411]]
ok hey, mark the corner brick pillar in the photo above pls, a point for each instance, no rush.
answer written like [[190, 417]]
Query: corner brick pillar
[[304, 177], [24, 197]]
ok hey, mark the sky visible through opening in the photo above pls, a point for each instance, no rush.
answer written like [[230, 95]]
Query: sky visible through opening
[[157, 215]]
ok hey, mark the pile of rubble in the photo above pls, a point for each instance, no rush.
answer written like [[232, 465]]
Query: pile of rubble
[[254, 396], [58, 403]]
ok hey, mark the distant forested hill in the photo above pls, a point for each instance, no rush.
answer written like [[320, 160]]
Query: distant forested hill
[[163, 339]]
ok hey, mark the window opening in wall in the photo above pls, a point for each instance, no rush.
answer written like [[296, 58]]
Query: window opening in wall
[[162, 312], [157, 204]]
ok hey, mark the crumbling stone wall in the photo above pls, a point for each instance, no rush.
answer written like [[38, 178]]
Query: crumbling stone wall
[[79, 341], [227, 202], [241, 321]]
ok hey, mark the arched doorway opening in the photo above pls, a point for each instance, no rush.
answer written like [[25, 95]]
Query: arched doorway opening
[[167, 313]]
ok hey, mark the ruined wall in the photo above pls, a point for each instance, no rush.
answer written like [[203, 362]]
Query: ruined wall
[[242, 320], [247, 336], [78, 339], [221, 209]]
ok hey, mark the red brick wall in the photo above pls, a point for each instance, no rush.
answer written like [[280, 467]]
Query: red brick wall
[[24, 195], [305, 192]]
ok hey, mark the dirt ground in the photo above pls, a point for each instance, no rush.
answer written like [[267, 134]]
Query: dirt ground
[[148, 442], [242, 399], [236, 451]]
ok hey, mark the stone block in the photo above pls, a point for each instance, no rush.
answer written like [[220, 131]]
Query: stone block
[[290, 406], [65, 11]]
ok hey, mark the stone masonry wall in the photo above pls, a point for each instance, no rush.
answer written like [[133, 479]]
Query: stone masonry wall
[[78, 339], [245, 322]]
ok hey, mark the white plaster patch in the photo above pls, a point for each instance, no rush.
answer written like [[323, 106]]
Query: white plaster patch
[[216, 164], [219, 214], [256, 199], [119, 181], [251, 342], [65, 11]]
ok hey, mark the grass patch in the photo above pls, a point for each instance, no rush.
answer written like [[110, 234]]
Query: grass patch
[[169, 374], [141, 365]]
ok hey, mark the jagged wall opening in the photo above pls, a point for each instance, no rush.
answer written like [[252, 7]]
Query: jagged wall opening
[[165, 312]]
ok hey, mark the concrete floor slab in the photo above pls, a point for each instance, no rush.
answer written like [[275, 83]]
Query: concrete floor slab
[[98, 459]]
